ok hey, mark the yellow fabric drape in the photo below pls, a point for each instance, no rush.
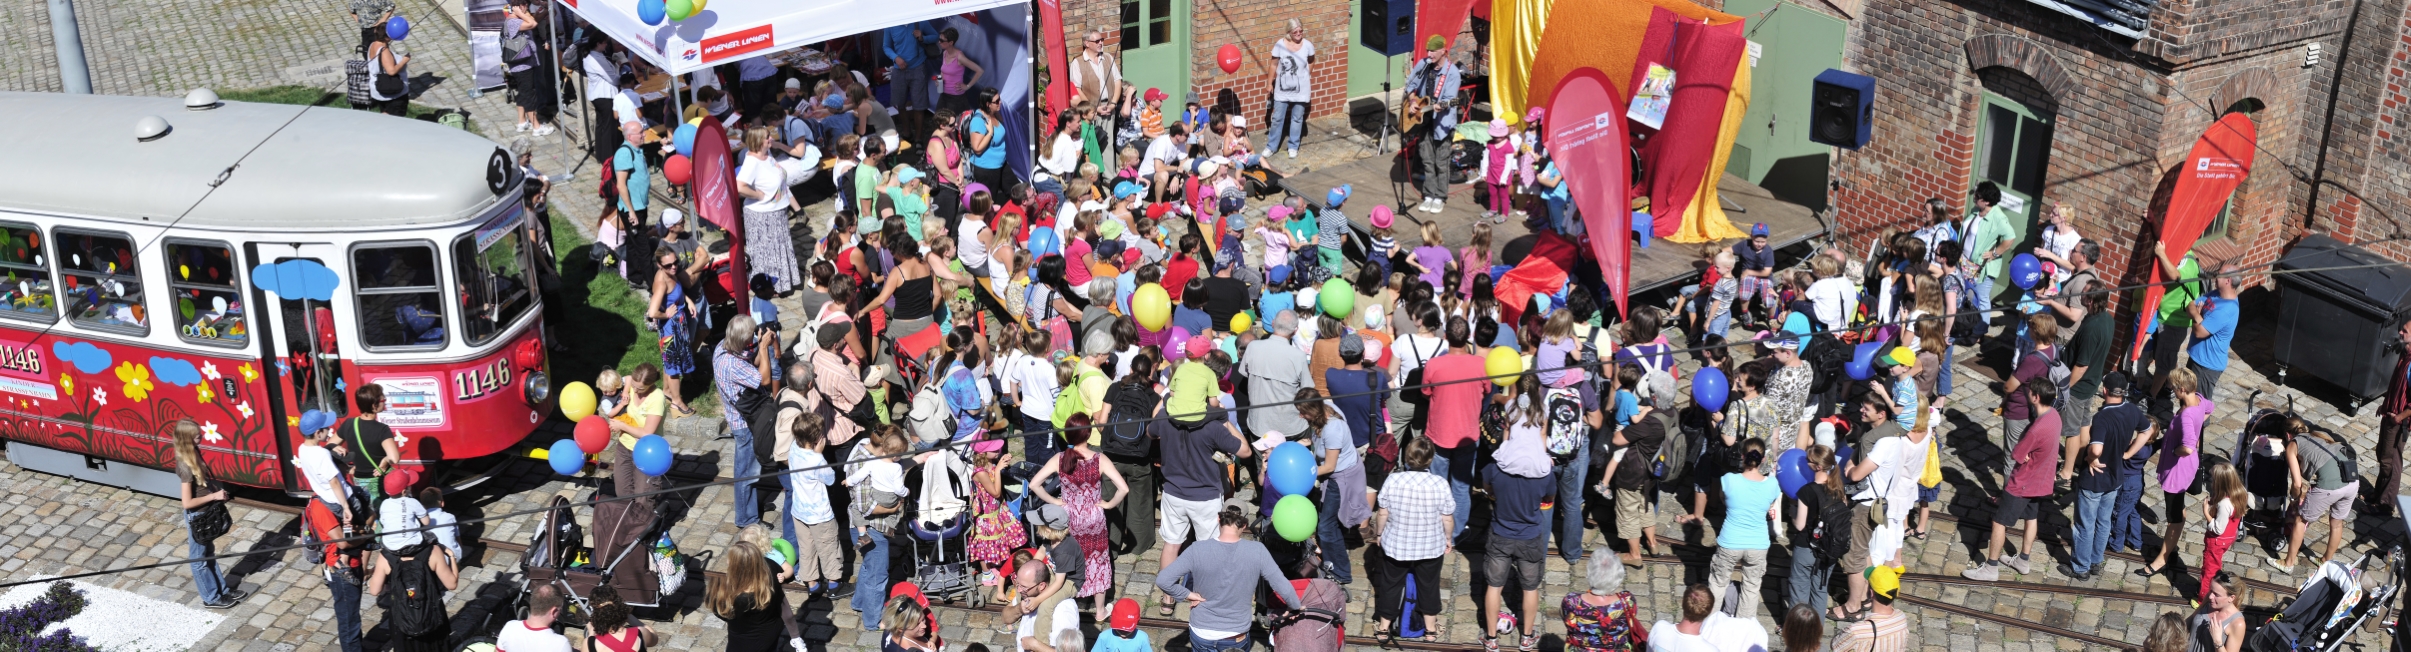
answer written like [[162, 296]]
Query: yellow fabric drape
[[1704, 220], [1515, 29]]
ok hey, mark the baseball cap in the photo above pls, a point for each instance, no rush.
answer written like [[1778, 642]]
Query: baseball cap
[[671, 218], [1535, 114], [1053, 516], [1901, 355], [1125, 615], [1277, 274], [316, 420], [1338, 196], [834, 102], [1125, 190], [833, 332], [1758, 230], [906, 174], [1156, 95], [399, 480], [2111, 385], [1351, 344], [1884, 581], [1239, 121], [1278, 213], [1198, 347], [1157, 210]]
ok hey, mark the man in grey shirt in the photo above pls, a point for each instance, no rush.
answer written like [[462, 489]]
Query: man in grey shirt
[[1218, 578], [1275, 369]]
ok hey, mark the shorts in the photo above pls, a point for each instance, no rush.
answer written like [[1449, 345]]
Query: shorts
[[1521, 556], [2333, 503], [1182, 518], [1632, 513], [2014, 508], [1931, 494], [1858, 559]]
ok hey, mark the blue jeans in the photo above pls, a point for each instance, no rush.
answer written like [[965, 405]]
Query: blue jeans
[[749, 504], [346, 590], [870, 579], [1942, 384], [1285, 114], [1808, 579], [206, 577], [2093, 510], [786, 513], [2126, 526], [1335, 543], [1558, 217], [1233, 645], [1457, 464], [1570, 486]]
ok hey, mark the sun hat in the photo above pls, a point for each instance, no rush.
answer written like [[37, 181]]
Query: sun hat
[[906, 174], [1382, 218], [1498, 127]]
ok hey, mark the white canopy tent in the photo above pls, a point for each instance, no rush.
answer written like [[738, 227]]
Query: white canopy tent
[[727, 30]]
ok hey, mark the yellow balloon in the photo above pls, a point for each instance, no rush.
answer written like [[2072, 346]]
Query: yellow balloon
[[1503, 364], [698, 6], [577, 401], [1240, 322], [1152, 306]]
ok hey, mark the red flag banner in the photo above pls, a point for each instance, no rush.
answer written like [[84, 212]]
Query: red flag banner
[[714, 190], [1705, 59], [1442, 18], [2220, 160], [1058, 64], [1586, 137]]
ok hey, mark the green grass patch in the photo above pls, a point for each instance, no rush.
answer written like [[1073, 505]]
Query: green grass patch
[[299, 95], [604, 324]]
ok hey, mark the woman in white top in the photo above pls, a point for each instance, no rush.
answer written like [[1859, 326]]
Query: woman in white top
[[769, 246], [1060, 156], [2058, 237]]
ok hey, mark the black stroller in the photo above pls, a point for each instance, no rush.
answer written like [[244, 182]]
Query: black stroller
[[623, 555], [2259, 456], [2338, 599]]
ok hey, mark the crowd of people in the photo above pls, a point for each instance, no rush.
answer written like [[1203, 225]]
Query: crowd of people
[[1109, 354]]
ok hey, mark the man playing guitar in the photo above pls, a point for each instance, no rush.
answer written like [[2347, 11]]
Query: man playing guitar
[[1427, 118]]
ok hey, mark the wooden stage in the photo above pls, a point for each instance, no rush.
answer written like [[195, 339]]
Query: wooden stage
[[1661, 264]]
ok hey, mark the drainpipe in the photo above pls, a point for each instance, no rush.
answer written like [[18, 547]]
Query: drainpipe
[[69, 43]]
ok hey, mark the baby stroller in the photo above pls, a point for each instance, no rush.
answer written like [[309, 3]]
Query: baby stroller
[[2337, 600], [2259, 456], [623, 555], [940, 526]]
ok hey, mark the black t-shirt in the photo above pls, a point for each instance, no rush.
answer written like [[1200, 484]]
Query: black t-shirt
[[367, 441], [1189, 470], [2114, 428], [1814, 497], [1224, 297], [1644, 437], [1066, 560]]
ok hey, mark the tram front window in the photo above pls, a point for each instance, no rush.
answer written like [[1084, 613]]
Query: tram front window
[[400, 303], [493, 283], [103, 289]]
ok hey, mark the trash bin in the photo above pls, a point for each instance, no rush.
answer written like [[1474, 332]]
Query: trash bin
[[2338, 325]]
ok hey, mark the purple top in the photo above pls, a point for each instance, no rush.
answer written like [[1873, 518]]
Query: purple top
[[1556, 354], [2176, 468], [1434, 259]]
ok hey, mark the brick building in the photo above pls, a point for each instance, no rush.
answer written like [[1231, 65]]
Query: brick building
[[1172, 44], [2071, 102]]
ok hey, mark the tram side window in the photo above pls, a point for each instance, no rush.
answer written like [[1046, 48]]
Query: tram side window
[[201, 281], [104, 290], [25, 289], [493, 284], [400, 302]]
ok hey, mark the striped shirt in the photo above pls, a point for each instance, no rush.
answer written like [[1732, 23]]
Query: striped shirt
[[1418, 503], [1877, 634]]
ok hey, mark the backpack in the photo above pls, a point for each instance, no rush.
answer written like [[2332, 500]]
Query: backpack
[[2056, 371], [1831, 528], [763, 419], [519, 47], [1967, 327], [1672, 460], [1567, 432], [1127, 438], [417, 606]]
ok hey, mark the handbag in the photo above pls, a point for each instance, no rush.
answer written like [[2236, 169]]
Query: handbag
[[355, 83], [389, 86], [210, 521]]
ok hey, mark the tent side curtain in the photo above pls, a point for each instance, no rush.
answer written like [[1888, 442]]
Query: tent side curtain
[[729, 30]]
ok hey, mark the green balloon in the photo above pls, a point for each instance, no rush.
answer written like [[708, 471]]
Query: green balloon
[[679, 9], [785, 550], [1293, 518], [1338, 298]]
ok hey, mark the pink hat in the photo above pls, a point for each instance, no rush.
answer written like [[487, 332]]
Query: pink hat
[[1381, 216], [1535, 114], [1278, 212], [1198, 347], [1498, 127]]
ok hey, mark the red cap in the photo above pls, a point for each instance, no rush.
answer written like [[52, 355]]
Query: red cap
[[1156, 95], [1157, 210], [1125, 614], [399, 481]]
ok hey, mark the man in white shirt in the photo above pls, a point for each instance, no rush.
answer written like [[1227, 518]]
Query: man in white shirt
[[316, 459], [1686, 636], [1031, 381], [1731, 634], [535, 633], [602, 84], [1163, 158], [1029, 578]]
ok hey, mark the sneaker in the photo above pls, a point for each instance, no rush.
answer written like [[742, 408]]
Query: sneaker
[[522, 127], [2280, 566], [222, 604], [544, 130], [1293, 152], [1489, 215], [2018, 563], [1989, 572]]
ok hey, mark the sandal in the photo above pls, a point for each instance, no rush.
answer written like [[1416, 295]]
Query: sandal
[[1384, 638], [1163, 608], [1839, 613]]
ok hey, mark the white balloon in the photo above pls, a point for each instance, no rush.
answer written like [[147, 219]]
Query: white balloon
[[217, 304]]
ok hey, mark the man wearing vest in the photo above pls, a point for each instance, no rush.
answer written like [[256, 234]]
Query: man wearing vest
[[1432, 84], [1096, 77]]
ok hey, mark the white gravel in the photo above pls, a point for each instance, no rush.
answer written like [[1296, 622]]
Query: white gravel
[[123, 621]]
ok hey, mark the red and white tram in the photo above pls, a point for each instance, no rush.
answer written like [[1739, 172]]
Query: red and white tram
[[237, 264]]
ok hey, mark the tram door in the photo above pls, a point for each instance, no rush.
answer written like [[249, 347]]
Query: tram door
[[306, 286]]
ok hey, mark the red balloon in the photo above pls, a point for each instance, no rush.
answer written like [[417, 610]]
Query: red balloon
[[1229, 58], [593, 434], [677, 169]]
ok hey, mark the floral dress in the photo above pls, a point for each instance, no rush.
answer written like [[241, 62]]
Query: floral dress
[[1081, 497], [1598, 627], [996, 533]]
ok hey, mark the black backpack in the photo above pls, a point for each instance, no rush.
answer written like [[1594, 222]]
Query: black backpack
[[1968, 326], [1831, 528], [762, 417], [1127, 438], [417, 606]]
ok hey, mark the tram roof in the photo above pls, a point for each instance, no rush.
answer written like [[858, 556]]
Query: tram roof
[[331, 169]]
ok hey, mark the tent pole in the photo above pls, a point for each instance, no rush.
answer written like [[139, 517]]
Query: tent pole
[[552, 38]]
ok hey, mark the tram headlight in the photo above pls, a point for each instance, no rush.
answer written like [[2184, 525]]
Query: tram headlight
[[538, 388]]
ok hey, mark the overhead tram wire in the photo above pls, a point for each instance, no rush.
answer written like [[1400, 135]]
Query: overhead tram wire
[[960, 443]]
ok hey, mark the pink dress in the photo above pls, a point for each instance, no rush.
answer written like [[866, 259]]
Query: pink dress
[[996, 533], [1081, 497]]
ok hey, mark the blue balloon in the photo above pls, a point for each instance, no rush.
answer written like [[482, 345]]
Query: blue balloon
[[1710, 389], [397, 28], [1792, 472], [684, 140], [1859, 370], [2026, 271], [1291, 469], [652, 11], [566, 458], [653, 455]]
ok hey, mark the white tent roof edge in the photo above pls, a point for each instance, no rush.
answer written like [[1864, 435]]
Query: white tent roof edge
[[756, 27]]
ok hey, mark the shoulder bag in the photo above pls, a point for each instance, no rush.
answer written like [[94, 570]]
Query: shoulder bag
[[209, 521]]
